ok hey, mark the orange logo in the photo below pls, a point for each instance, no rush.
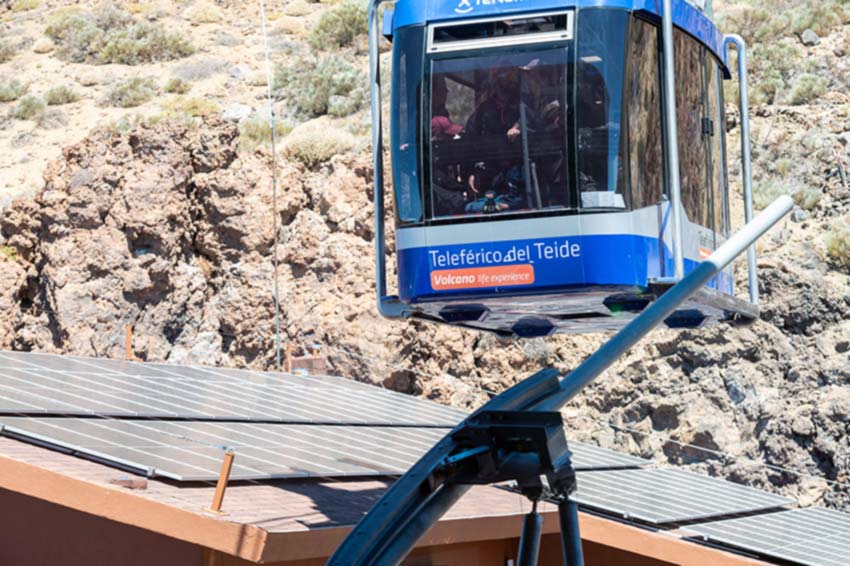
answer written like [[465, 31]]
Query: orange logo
[[474, 278], [705, 253]]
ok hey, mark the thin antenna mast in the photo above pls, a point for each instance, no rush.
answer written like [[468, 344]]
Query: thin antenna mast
[[276, 260]]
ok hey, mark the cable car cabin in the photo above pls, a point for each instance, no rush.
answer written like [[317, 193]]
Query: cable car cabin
[[529, 168]]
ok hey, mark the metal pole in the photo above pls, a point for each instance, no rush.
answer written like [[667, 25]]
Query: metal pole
[[658, 312], [529, 544], [377, 152], [746, 154], [570, 533], [672, 140]]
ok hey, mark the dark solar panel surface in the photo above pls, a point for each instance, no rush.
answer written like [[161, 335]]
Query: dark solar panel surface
[[36, 384], [813, 536], [669, 495]]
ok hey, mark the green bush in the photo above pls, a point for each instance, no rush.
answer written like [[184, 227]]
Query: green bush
[[838, 243], [61, 95], [132, 92], [113, 36], [324, 85], [177, 86], [316, 142], [29, 108], [807, 88], [7, 51], [11, 89], [341, 25]]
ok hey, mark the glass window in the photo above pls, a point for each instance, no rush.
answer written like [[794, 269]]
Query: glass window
[[713, 139], [406, 99], [600, 71], [497, 124], [645, 133], [690, 85]]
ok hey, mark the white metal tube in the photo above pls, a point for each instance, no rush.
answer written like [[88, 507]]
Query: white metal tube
[[672, 139], [746, 154], [661, 309]]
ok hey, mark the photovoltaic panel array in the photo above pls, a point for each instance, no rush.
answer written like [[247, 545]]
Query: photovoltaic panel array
[[39, 384], [587, 457], [668, 495], [193, 451], [813, 536]]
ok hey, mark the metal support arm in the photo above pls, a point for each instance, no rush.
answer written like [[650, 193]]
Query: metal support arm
[[417, 501]]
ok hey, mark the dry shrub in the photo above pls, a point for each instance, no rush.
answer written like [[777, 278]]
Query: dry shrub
[[255, 131], [316, 86], [838, 242], [111, 35], [204, 13], [7, 51], [181, 107], [61, 95], [11, 89], [316, 142], [177, 86], [29, 107], [341, 25], [132, 92], [807, 88]]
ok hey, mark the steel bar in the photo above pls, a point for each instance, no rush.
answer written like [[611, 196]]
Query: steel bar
[[570, 533], [672, 139], [529, 543], [746, 152], [661, 309]]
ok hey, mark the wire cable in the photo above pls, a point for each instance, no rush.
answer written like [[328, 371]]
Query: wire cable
[[272, 126]]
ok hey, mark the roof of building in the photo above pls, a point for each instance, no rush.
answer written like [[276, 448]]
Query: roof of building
[[284, 520]]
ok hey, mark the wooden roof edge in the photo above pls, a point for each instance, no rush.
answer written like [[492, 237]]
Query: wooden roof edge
[[121, 505]]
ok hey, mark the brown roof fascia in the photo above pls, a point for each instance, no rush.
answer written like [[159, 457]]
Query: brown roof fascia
[[117, 504]]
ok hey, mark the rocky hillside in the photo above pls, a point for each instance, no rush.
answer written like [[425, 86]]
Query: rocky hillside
[[159, 216]]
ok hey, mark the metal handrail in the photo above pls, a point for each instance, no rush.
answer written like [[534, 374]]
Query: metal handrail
[[738, 42], [387, 308], [672, 140]]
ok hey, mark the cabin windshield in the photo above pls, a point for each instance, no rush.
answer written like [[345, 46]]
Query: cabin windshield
[[497, 127]]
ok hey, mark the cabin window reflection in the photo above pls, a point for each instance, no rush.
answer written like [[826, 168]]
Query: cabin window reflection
[[497, 125], [600, 71], [716, 113], [645, 132], [694, 172], [406, 93]]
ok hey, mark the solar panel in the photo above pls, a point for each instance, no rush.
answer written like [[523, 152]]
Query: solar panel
[[669, 496], [192, 451], [587, 457], [39, 384], [813, 537]]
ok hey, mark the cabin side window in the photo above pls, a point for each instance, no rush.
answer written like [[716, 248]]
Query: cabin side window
[[406, 99], [693, 166], [600, 71], [646, 154]]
